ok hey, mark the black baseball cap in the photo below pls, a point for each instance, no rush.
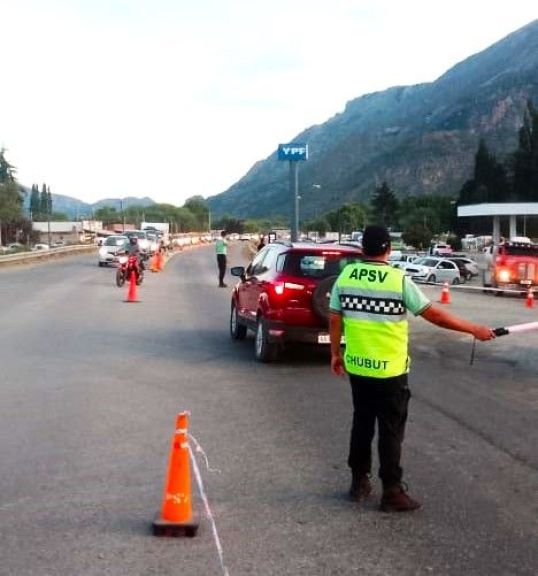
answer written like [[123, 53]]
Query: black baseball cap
[[375, 240]]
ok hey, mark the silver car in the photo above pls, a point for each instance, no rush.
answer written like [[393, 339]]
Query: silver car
[[434, 270], [111, 246]]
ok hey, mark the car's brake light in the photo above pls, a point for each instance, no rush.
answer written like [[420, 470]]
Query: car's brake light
[[331, 253], [282, 286]]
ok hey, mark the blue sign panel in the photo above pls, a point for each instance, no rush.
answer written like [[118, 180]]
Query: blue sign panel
[[293, 151]]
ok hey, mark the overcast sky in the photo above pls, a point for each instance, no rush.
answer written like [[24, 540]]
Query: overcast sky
[[175, 98]]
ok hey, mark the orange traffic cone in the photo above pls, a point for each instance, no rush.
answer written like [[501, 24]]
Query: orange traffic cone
[[131, 295], [182, 421], [529, 301], [154, 266], [445, 294], [176, 517], [159, 261]]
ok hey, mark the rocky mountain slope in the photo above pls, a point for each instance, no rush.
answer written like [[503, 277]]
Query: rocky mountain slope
[[420, 139]]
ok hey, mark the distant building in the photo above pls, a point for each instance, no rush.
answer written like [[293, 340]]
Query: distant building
[[67, 232]]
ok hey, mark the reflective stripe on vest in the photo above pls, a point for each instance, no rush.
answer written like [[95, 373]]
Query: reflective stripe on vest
[[375, 320]]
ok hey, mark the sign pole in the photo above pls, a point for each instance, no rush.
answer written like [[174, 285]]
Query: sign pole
[[294, 152], [294, 190]]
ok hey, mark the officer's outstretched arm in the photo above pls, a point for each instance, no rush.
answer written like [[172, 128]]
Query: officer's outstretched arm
[[440, 317]]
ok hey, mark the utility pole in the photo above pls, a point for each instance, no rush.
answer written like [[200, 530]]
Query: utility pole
[[122, 216]]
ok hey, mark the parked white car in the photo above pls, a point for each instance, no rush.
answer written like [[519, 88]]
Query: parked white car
[[441, 250], [40, 247], [399, 260], [111, 246], [434, 270]]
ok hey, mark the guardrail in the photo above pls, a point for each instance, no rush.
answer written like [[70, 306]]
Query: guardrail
[[22, 257]]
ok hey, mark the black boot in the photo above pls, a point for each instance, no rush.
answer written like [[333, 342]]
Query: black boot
[[360, 487]]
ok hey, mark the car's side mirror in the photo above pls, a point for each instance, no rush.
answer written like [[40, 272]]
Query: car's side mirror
[[238, 271]]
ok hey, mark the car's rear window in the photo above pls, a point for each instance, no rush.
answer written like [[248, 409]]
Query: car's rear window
[[318, 264]]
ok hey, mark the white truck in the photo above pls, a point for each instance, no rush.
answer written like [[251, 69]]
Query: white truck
[[163, 229]]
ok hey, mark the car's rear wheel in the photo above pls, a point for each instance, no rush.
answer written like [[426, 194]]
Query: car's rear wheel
[[456, 281], [238, 331], [264, 351], [322, 296]]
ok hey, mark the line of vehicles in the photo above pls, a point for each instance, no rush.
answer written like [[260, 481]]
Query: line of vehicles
[[113, 250], [148, 242], [454, 268], [283, 294]]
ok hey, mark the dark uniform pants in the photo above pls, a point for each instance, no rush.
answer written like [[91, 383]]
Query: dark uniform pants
[[221, 261], [384, 400]]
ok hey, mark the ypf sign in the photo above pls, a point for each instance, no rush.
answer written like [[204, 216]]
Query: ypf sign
[[293, 152]]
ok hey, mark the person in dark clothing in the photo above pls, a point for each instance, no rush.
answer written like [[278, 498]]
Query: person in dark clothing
[[132, 247], [369, 304], [221, 248], [262, 242]]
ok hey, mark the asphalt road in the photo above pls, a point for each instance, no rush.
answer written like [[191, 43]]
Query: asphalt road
[[89, 390]]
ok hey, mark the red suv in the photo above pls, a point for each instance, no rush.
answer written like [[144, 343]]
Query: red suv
[[283, 294]]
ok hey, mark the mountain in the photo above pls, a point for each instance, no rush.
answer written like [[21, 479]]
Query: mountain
[[420, 139], [76, 209]]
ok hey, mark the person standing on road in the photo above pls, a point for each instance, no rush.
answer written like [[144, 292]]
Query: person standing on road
[[369, 303], [221, 248], [261, 244]]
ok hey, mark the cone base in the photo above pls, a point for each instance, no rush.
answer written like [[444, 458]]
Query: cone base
[[163, 527]]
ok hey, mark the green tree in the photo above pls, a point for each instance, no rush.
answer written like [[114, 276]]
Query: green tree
[[198, 206], [43, 204], [384, 207], [489, 182], [320, 225], [11, 199], [7, 171], [230, 224], [34, 201], [417, 235], [346, 218], [107, 215]]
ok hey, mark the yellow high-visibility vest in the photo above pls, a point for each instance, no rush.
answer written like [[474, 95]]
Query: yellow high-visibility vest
[[375, 320]]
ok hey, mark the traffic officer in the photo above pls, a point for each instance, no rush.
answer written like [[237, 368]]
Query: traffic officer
[[369, 303], [221, 248]]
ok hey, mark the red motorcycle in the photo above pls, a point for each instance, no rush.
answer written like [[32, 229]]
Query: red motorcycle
[[127, 264]]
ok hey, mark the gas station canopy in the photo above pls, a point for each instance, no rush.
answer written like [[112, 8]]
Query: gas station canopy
[[510, 209]]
